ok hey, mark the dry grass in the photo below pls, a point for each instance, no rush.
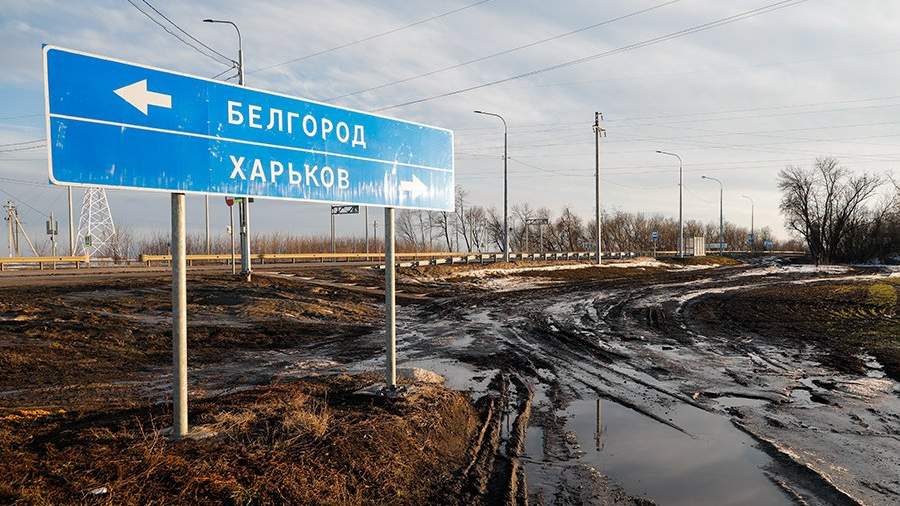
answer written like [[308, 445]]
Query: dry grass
[[310, 442]]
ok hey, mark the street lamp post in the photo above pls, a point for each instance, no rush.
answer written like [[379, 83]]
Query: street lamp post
[[246, 267], [721, 216], [680, 201], [752, 235], [505, 184]]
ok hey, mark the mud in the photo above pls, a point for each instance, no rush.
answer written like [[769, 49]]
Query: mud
[[695, 409], [694, 382]]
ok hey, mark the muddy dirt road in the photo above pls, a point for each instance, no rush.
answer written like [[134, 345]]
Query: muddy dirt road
[[639, 382], [647, 383]]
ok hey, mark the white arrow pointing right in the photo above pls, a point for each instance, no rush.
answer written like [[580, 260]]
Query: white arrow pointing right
[[140, 97], [416, 188]]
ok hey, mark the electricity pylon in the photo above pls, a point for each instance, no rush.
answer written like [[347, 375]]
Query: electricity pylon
[[95, 225]]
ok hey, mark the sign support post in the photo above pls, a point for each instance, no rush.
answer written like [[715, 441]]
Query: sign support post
[[246, 267], [231, 232], [390, 303], [179, 320]]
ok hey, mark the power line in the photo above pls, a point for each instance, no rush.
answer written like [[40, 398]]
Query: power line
[[504, 52], [22, 149], [170, 32], [536, 128], [22, 182], [195, 39], [222, 73], [19, 116], [637, 45], [370, 37], [42, 139], [23, 202]]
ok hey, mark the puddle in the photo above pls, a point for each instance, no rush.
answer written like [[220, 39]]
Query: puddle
[[718, 464]]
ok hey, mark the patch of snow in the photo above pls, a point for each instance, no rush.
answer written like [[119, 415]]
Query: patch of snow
[[637, 262], [793, 269]]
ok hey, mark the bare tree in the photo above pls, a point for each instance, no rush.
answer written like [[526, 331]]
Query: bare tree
[[826, 206]]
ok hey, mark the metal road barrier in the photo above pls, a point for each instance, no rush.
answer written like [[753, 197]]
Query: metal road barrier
[[419, 258], [41, 261]]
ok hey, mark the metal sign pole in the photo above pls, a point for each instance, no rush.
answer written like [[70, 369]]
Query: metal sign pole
[[390, 305], [179, 320], [71, 225], [246, 266], [231, 229]]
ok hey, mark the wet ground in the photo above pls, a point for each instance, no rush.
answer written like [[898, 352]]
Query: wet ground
[[677, 409], [644, 382]]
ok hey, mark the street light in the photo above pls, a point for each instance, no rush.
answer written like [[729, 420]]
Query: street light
[[505, 185], [721, 218], [680, 201], [246, 267], [752, 235]]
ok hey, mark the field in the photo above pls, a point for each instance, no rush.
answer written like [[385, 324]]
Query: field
[[560, 383]]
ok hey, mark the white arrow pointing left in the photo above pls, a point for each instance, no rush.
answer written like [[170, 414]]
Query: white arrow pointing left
[[140, 97]]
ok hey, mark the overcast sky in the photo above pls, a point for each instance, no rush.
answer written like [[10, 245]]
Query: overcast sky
[[737, 102]]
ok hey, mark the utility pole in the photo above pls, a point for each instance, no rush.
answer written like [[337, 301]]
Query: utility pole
[[680, 202], [752, 236], [598, 132], [721, 216], [71, 223], [505, 184], [375, 233], [366, 228], [52, 230], [15, 229], [12, 239], [246, 266], [540, 222]]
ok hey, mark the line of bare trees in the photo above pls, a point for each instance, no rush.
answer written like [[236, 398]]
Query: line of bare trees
[[472, 228], [842, 216], [479, 228]]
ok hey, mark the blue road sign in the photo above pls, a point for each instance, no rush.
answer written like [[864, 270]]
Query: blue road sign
[[654, 236], [122, 125]]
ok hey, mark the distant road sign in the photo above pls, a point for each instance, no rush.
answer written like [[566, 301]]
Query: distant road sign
[[716, 245], [122, 125], [229, 201], [654, 236]]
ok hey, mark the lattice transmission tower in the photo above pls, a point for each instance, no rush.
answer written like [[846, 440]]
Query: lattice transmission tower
[[95, 225]]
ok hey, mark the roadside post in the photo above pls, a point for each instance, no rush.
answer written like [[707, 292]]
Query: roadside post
[[229, 201], [120, 125], [654, 238], [179, 319], [390, 301]]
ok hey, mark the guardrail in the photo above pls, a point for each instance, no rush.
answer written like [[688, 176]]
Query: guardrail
[[420, 257], [42, 261]]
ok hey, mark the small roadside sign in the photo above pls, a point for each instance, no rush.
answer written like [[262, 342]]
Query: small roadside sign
[[229, 201], [654, 236]]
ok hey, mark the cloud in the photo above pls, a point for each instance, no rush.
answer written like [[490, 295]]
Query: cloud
[[669, 95]]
